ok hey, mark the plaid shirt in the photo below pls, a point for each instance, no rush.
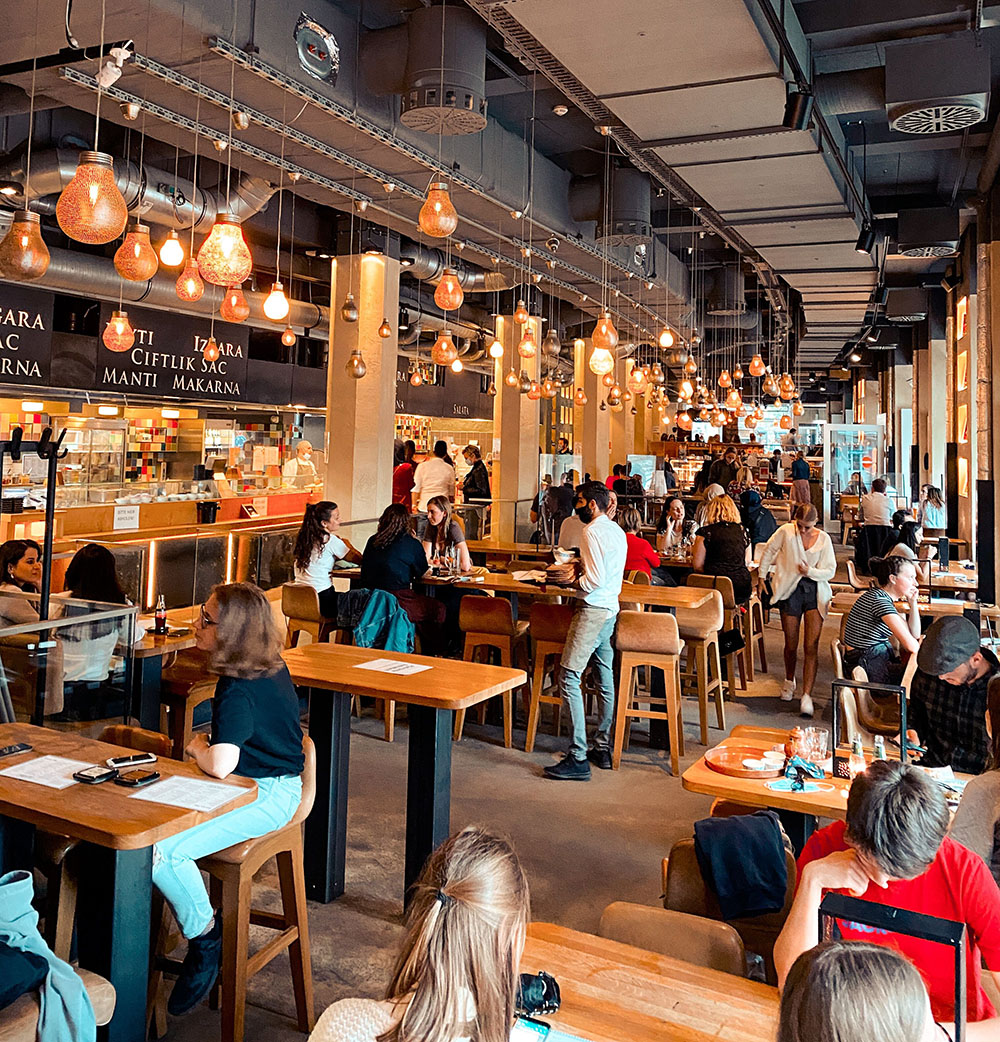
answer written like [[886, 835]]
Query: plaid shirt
[[950, 719]]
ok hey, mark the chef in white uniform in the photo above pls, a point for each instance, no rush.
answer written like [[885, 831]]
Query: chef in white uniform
[[301, 465]]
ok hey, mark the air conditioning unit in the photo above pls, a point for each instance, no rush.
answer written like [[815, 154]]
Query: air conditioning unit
[[930, 232], [908, 304], [938, 85]]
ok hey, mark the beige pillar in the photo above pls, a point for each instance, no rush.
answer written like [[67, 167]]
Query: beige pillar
[[515, 424], [361, 413], [930, 375], [591, 426]]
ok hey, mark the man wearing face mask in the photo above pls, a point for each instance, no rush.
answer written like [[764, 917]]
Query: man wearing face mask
[[300, 469], [948, 695], [599, 571]]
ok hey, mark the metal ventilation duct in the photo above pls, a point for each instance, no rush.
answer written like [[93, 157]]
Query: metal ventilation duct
[[428, 264], [442, 79], [628, 210], [930, 232], [907, 304], [726, 292], [937, 85]]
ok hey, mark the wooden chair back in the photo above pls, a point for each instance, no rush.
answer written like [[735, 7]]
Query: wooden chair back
[[486, 615], [300, 601], [138, 738], [722, 583]]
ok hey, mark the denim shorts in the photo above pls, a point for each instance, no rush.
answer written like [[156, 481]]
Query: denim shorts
[[800, 600]]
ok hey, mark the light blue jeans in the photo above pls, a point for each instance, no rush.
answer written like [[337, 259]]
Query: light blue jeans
[[175, 870], [589, 642]]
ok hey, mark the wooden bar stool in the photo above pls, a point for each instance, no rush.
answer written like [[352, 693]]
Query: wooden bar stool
[[300, 606], [699, 629], [648, 639], [753, 629], [232, 871], [488, 622], [730, 621], [549, 626]]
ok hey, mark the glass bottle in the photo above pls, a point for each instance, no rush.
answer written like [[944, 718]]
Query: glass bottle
[[857, 763], [160, 616], [879, 753]]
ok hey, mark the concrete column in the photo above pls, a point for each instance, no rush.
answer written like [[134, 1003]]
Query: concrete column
[[930, 369], [591, 425], [623, 423], [361, 413], [516, 424]]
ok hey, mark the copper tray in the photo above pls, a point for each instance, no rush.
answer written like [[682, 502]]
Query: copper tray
[[729, 760]]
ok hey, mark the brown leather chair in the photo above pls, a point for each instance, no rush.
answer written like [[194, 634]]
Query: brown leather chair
[[488, 622], [19, 1022], [685, 890], [648, 639], [548, 629], [703, 942], [699, 629]]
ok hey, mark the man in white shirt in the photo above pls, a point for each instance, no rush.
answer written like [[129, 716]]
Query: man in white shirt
[[433, 477], [600, 569], [876, 507], [301, 464]]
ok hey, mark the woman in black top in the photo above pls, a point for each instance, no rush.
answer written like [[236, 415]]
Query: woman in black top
[[476, 483], [392, 561], [721, 546], [255, 734]]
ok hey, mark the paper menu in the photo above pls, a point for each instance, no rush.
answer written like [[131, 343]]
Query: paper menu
[[388, 665], [190, 793], [55, 772]]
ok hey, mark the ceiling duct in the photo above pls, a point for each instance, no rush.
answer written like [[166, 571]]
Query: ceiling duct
[[886, 338], [937, 85], [930, 232], [428, 265], [437, 64], [726, 292], [629, 208], [908, 304]]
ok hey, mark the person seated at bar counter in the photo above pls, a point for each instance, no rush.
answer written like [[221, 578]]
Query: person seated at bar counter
[[893, 850], [317, 550], [457, 974], [20, 572], [255, 734], [853, 991]]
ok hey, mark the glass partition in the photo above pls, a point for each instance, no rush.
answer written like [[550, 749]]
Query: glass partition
[[852, 457]]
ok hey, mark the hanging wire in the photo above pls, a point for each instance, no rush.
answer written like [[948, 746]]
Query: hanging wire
[[31, 118], [100, 86], [281, 185]]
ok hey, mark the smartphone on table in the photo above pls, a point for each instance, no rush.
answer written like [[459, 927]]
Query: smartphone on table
[[95, 775], [135, 779], [127, 762]]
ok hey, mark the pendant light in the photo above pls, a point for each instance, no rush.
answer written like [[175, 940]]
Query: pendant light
[[224, 258], [656, 375], [601, 361], [534, 391], [23, 253], [496, 349], [604, 335], [738, 372], [288, 338], [666, 337], [637, 380], [457, 366], [234, 306], [527, 348], [549, 388], [276, 306], [757, 366], [449, 294], [190, 286], [524, 382], [551, 346], [608, 379], [438, 217], [444, 351], [734, 399], [580, 397], [770, 386], [118, 334], [415, 378], [798, 408], [725, 380], [604, 406], [356, 367], [750, 422], [521, 313], [690, 366], [171, 252], [512, 379], [90, 208], [785, 423], [627, 395], [492, 389], [135, 259], [684, 421], [210, 352], [786, 385], [349, 310], [385, 330]]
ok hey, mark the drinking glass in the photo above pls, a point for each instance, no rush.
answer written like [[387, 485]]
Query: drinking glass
[[816, 742]]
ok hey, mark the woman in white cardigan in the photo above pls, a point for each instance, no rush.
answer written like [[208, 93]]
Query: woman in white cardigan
[[801, 561]]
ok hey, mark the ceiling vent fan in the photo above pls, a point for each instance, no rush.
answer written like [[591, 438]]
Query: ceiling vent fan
[[930, 232]]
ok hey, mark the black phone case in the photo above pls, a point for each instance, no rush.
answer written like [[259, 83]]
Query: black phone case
[[97, 781], [155, 776]]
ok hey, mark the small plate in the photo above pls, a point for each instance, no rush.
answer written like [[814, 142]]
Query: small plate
[[729, 760]]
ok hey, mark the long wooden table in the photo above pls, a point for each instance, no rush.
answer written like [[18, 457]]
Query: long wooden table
[[613, 992], [330, 673], [506, 550], [116, 878], [842, 603]]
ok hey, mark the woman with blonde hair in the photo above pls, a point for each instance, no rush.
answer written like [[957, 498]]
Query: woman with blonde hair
[[255, 734], [456, 977], [721, 546]]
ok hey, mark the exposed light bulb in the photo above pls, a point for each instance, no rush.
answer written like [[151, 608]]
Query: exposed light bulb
[[288, 338], [666, 337], [276, 304], [171, 252], [512, 379], [444, 351], [527, 348], [415, 378], [224, 258], [521, 313], [449, 295], [91, 209], [349, 310], [234, 306], [356, 367], [23, 254], [580, 397], [135, 259], [210, 352], [457, 366], [496, 349], [385, 330], [118, 334], [601, 361], [189, 285], [438, 217]]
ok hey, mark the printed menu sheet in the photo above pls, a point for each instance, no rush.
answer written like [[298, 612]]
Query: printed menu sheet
[[388, 665], [190, 793], [56, 772]]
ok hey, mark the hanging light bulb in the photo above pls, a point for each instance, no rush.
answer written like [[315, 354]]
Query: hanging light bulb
[[704, 413], [725, 380], [385, 330], [524, 382], [457, 366], [758, 412], [415, 378], [496, 349], [616, 405], [738, 372], [608, 379], [224, 258], [580, 397], [210, 352], [234, 306], [601, 361], [90, 208], [276, 304], [656, 375], [734, 399], [684, 420], [786, 386], [349, 310], [521, 313], [798, 408], [615, 391], [757, 366], [627, 396], [492, 389], [190, 286], [686, 390], [135, 259], [637, 380], [739, 410], [171, 252], [512, 379], [604, 406], [23, 254], [750, 422], [690, 366], [770, 386], [604, 335], [527, 348], [118, 334], [551, 346], [356, 367], [449, 294], [718, 418], [785, 423], [549, 388], [438, 217], [288, 337], [444, 351], [666, 337]]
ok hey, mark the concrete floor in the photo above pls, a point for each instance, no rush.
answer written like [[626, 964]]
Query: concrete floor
[[582, 845]]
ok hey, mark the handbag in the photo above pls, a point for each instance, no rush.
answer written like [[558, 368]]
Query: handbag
[[731, 641]]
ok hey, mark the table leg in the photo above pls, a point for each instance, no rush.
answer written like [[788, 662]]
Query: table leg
[[150, 686], [326, 826], [798, 827], [17, 840], [428, 786], [113, 930]]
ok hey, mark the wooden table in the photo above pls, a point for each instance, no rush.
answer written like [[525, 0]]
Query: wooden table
[[613, 992], [503, 549], [938, 606], [116, 876], [330, 673], [149, 654]]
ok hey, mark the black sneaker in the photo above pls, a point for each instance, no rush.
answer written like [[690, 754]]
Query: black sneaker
[[198, 973], [600, 758], [569, 768]]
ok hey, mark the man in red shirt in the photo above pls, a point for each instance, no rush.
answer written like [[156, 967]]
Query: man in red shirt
[[893, 850]]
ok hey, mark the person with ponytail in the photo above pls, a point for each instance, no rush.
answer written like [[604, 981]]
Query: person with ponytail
[[317, 550], [456, 977]]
